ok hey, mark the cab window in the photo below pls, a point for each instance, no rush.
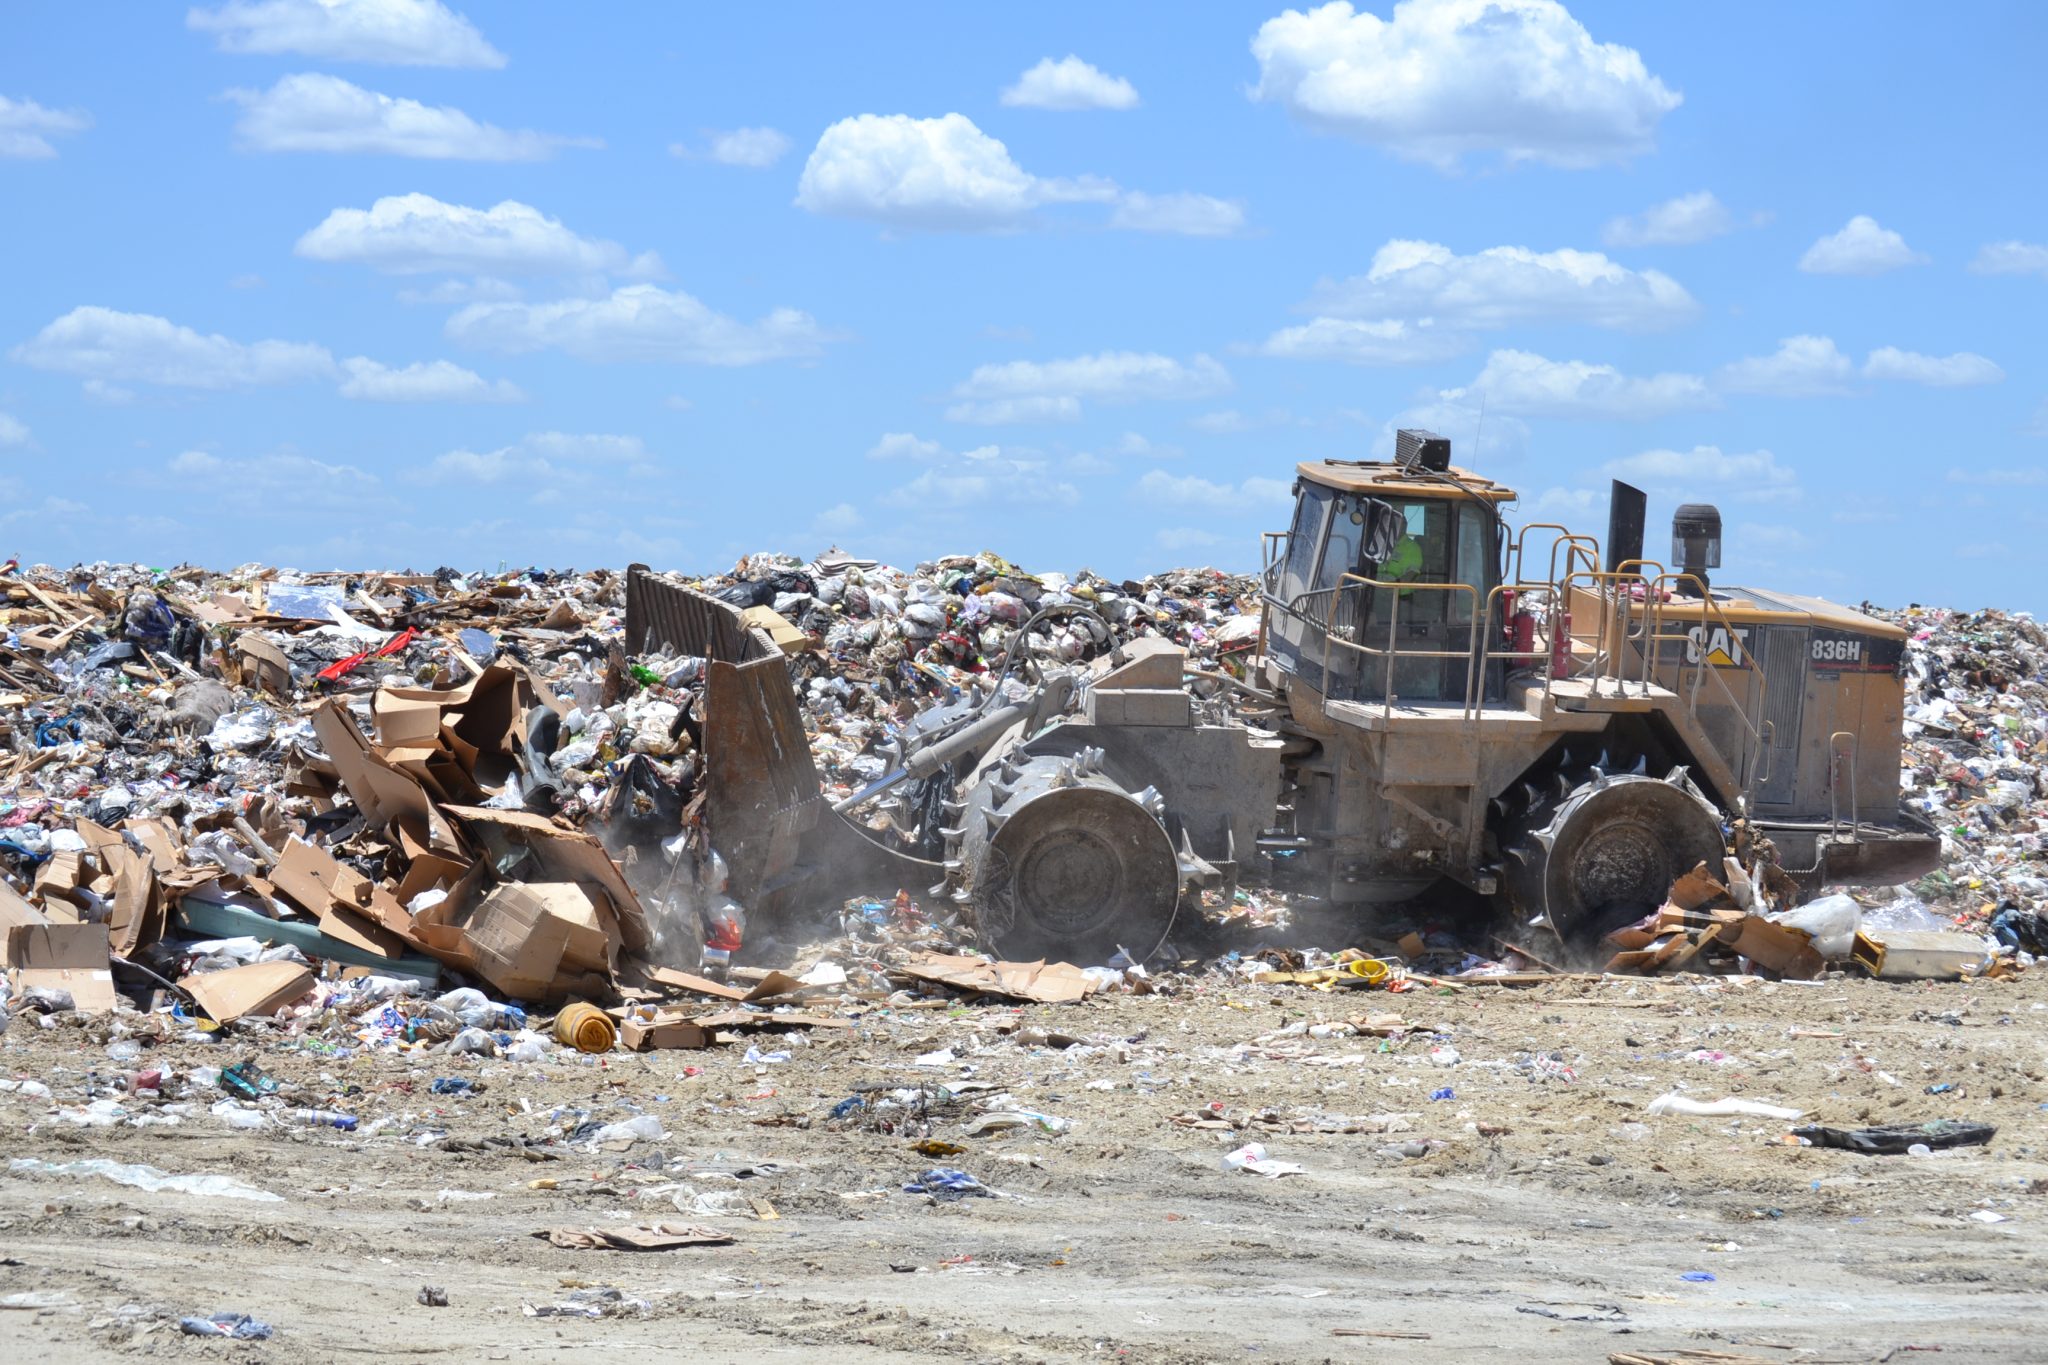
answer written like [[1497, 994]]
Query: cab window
[[1340, 549], [1303, 540]]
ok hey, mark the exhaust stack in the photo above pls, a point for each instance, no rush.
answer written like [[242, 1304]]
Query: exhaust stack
[[1696, 540]]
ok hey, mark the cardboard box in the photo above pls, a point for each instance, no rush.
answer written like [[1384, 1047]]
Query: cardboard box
[[64, 957], [787, 636], [474, 726], [255, 988], [563, 855], [540, 940], [660, 1035]]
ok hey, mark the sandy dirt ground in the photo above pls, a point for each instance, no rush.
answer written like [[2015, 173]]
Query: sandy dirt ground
[[1547, 1217]]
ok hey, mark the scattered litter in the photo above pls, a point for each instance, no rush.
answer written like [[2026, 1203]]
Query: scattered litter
[[640, 1237], [147, 1178], [240, 1326], [1900, 1139]]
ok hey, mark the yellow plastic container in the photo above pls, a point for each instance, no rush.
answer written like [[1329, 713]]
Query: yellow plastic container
[[1369, 969], [586, 1028]]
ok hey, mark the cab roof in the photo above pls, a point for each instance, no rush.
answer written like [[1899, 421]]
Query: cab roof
[[1383, 478]]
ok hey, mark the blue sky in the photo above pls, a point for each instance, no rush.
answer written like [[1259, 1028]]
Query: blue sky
[[401, 283]]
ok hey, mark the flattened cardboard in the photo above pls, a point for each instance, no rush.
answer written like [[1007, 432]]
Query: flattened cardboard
[[646, 1237], [685, 981], [348, 905], [758, 1019], [65, 957], [1048, 983], [16, 909], [254, 988]]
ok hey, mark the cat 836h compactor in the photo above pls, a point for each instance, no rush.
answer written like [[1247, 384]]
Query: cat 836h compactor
[[1436, 698]]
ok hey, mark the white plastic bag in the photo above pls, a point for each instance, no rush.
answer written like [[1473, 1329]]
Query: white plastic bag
[[1831, 922]]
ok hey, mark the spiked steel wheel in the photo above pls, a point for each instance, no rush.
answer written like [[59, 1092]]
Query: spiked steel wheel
[[1062, 862], [1600, 851]]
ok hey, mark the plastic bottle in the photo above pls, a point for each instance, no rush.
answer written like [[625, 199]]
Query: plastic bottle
[[322, 1118]]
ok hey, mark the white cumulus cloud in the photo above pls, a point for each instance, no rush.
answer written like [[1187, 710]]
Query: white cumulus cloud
[[1192, 490], [1754, 475], [1385, 342], [1442, 79], [436, 381], [2011, 258], [1069, 84], [947, 175], [104, 344], [1964, 369], [940, 174], [26, 128], [640, 322], [320, 113], [1053, 390], [389, 32], [407, 234], [13, 432], [1189, 215], [1505, 286], [1862, 247], [1801, 367], [1522, 384], [1684, 221]]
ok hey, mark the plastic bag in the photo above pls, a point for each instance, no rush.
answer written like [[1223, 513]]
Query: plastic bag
[[644, 1128], [148, 1178], [1831, 922]]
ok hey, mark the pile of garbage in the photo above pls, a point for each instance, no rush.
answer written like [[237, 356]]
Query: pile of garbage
[[396, 803], [1976, 727]]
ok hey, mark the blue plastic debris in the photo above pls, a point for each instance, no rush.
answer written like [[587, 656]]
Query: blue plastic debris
[[240, 1326], [945, 1182], [1698, 1276], [1446, 1093]]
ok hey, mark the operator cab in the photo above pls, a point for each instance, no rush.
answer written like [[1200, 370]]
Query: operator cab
[[1426, 540]]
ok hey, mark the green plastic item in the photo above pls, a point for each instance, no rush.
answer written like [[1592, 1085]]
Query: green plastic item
[[208, 919]]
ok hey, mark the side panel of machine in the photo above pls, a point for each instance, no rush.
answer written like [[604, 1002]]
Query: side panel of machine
[[1850, 743]]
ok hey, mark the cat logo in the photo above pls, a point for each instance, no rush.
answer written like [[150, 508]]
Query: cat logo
[[1723, 648]]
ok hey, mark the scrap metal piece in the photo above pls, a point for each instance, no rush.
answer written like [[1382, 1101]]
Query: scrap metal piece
[[762, 789]]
